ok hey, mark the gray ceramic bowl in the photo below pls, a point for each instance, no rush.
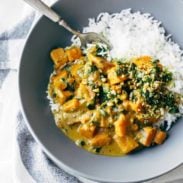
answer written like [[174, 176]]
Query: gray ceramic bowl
[[36, 67]]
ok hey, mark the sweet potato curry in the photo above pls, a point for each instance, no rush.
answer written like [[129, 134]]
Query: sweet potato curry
[[110, 107]]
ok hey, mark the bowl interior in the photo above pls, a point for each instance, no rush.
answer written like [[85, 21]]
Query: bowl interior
[[34, 73]]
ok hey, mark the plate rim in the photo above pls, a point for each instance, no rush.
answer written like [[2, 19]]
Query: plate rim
[[58, 162]]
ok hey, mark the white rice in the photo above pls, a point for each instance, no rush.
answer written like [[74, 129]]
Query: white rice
[[137, 34]]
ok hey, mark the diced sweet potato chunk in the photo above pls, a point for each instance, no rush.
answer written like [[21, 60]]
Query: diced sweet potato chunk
[[59, 80], [147, 135], [73, 53], [100, 62], [99, 140], [67, 93], [160, 137], [62, 96], [87, 130], [112, 77], [126, 104], [85, 92], [121, 126], [71, 105], [129, 105], [59, 57], [143, 62], [74, 69], [104, 122], [126, 143], [70, 80]]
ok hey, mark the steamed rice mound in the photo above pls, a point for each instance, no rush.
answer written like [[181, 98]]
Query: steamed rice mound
[[133, 34]]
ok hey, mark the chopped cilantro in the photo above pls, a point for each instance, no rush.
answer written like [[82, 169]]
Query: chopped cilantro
[[91, 105], [156, 61], [164, 126], [98, 149], [132, 67], [95, 123], [82, 143], [174, 109], [92, 69], [101, 50], [70, 87], [125, 112], [67, 67], [54, 95], [102, 95], [167, 76], [122, 70]]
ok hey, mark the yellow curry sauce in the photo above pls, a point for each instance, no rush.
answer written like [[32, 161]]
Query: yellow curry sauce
[[110, 107]]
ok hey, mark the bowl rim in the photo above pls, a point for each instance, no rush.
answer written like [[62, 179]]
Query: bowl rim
[[58, 162]]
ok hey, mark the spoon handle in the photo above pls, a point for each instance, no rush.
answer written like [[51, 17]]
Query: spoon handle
[[50, 13]]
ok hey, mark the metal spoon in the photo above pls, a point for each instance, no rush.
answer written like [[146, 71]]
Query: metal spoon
[[52, 15]]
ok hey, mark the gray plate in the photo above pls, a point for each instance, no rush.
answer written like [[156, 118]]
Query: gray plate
[[36, 67]]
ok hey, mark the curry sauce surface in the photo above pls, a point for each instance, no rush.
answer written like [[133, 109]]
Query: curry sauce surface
[[110, 107]]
